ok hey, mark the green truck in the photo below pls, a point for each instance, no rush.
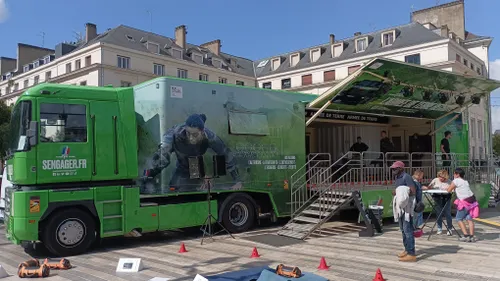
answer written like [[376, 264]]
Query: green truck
[[94, 162]]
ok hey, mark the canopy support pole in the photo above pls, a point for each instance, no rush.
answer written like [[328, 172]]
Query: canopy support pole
[[325, 106], [451, 120]]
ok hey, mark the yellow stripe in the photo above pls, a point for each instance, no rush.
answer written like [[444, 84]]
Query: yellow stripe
[[487, 222]]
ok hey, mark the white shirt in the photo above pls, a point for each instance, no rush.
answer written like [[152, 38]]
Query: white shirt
[[438, 184], [463, 189]]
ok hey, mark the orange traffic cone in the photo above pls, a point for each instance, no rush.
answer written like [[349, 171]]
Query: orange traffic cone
[[322, 264], [183, 248], [378, 276], [255, 253]]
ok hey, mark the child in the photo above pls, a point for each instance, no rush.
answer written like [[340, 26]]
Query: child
[[467, 206], [418, 175]]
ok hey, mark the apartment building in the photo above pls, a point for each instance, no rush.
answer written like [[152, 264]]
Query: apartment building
[[123, 56], [436, 37]]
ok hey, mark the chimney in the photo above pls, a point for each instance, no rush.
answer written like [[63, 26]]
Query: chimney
[[180, 36], [357, 33], [332, 39], [444, 31], [213, 46], [90, 31]]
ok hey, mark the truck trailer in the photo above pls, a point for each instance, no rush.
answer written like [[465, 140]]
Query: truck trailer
[[94, 162]]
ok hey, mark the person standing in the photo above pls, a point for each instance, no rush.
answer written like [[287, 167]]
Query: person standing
[[359, 146], [442, 182], [405, 214], [445, 149]]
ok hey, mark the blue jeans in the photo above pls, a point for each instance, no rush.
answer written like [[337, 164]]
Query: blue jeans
[[419, 219], [440, 202], [406, 228]]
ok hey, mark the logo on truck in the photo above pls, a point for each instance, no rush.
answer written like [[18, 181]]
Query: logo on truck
[[65, 164]]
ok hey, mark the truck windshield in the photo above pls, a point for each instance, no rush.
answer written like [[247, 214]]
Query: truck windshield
[[19, 123]]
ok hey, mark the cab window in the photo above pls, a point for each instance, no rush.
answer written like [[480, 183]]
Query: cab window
[[63, 122]]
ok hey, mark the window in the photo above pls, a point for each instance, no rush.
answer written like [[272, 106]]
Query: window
[[78, 64], [473, 127], [197, 58], [88, 60], [478, 71], [203, 77], [466, 62], [125, 84], [415, 59], [182, 73], [307, 79], [337, 50], [240, 83], [16, 86], [25, 84], [153, 47], [217, 63], [387, 38], [329, 75], [294, 59], [242, 123], [37, 80], [158, 69], [315, 54], [275, 64], [472, 66], [361, 44], [63, 122], [123, 62], [266, 85], [286, 83], [48, 75], [480, 152], [68, 67], [26, 68], [36, 64], [479, 130], [222, 80], [176, 53], [352, 69], [46, 59], [83, 83], [458, 58], [473, 152]]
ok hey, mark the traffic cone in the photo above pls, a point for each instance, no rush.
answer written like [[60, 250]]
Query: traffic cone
[[322, 264], [183, 248], [378, 276], [255, 253]]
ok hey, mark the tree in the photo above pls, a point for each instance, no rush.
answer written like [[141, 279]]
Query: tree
[[4, 128], [496, 144]]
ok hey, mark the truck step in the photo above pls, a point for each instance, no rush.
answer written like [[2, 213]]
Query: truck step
[[292, 234], [316, 213], [330, 207], [112, 217], [299, 227], [339, 193], [307, 219], [333, 200]]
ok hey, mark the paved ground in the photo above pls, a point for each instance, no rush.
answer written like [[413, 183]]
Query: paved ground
[[349, 257]]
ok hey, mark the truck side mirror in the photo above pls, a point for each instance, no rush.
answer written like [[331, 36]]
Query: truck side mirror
[[32, 133]]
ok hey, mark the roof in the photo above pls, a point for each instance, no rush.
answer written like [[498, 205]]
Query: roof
[[469, 36], [406, 35], [118, 36]]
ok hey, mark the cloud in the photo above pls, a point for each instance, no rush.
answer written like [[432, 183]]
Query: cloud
[[495, 109], [4, 13]]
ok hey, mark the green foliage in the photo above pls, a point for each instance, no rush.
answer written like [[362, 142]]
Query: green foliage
[[4, 128], [496, 144]]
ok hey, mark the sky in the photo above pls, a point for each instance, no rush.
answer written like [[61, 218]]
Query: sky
[[253, 29]]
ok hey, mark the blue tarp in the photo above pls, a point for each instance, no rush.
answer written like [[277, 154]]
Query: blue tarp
[[261, 274]]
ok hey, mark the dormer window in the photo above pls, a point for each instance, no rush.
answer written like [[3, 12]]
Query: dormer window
[[153, 47], [197, 58], [294, 59], [361, 44], [217, 63], [337, 49], [275, 63], [176, 53], [388, 38], [315, 54]]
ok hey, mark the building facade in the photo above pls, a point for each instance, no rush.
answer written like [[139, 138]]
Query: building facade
[[123, 56], [436, 37]]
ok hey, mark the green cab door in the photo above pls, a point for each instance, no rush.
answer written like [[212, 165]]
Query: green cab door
[[64, 151]]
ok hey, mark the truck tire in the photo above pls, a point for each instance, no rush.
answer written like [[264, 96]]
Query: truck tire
[[69, 232], [238, 214]]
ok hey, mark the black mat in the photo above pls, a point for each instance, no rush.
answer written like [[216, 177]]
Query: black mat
[[273, 240]]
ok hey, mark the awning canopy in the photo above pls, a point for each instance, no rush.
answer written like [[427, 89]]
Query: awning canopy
[[392, 88]]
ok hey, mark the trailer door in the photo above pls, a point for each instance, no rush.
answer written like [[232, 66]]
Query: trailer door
[[64, 149]]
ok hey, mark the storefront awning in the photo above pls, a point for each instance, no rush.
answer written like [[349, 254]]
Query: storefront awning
[[392, 88]]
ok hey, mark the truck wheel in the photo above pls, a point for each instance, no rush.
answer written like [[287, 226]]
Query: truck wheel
[[69, 233], [238, 214]]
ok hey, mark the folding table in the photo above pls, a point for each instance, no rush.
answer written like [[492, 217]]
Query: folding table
[[437, 192]]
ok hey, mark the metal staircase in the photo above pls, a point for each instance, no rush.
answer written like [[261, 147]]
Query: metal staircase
[[315, 201]]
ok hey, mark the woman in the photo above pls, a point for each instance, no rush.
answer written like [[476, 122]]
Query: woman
[[442, 182], [467, 205]]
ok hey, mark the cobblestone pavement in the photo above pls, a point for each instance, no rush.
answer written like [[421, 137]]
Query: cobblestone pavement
[[349, 257]]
